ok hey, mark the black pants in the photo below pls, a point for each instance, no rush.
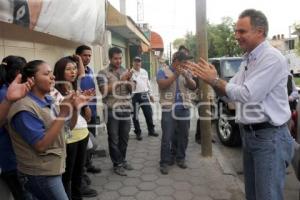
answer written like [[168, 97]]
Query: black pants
[[89, 152], [72, 178], [13, 183], [118, 127], [141, 100]]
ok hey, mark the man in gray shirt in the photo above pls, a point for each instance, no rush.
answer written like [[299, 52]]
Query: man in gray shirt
[[262, 108], [115, 85]]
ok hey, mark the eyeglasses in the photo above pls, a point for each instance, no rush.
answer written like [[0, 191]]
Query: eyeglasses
[[137, 61]]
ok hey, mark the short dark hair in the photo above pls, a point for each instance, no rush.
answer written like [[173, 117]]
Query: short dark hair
[[10, 66], [114, 50], [257, 19], [182, 47], [181, 56], [30, 69], [81, 48]]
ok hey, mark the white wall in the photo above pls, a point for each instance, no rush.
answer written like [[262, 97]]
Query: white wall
[[16, 40]]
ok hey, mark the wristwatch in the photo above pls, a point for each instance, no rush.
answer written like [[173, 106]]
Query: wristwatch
[[215, 81]]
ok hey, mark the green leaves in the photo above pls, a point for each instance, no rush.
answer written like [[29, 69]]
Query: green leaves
[[221, 41]]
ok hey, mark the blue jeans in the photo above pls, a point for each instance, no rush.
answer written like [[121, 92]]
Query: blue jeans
[[44, 187], [175, 128], [266, 154]]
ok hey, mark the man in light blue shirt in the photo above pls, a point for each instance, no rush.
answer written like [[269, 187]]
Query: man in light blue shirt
[[262, 109]]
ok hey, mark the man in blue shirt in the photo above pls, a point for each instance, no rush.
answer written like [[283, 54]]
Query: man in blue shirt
[[262, 107], [87, 83], [174, 83]]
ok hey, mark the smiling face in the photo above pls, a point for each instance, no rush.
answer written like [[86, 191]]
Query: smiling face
[[247, 36], [70, 73], [44, 79]]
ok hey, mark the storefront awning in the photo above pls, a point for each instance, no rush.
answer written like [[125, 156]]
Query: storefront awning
[[156, 42], [124, 26]]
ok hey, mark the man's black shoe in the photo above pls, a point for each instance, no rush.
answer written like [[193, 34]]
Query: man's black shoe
[[88, 192], [139, 137], [93, 169], [153, 134]]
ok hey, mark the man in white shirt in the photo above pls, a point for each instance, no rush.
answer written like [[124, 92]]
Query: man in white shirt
[[260, 92], [140, 98]]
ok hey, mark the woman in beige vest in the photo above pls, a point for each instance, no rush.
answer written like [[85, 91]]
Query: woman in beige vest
[[35, 127]]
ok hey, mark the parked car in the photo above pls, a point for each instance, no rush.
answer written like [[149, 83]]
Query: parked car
[[227, 129]]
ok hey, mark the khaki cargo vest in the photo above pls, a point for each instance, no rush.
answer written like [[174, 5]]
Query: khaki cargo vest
[[52, 161], [121, 97], [167, 96]]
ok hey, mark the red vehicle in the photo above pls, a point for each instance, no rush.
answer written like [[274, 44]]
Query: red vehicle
[[293, 125]]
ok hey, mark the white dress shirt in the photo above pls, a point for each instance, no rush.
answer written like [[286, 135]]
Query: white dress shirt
[[142, 81], [260, 87]]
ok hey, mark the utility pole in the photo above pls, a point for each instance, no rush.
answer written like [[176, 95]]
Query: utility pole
[[205, 122], [123, 6]]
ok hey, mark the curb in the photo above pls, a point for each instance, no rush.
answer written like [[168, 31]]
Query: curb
[[227, 168]]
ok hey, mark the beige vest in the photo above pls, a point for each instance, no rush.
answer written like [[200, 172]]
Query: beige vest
[[121, 97], [52, 161], [167, 96]]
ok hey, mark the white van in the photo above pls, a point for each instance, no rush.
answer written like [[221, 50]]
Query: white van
[[294, 63]]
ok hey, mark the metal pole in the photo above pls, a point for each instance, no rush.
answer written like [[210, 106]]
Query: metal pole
[[123, 7], [205, 122]]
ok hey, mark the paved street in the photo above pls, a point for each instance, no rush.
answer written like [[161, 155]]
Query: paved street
[[216, 178], [234, 156], [204, 179]]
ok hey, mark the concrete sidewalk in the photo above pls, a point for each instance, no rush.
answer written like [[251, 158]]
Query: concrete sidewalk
[[204, 179]]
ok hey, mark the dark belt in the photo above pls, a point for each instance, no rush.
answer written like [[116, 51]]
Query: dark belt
[[259, 126]]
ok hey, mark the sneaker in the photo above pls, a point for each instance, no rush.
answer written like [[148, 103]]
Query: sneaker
[[127, 166], [88, 192], [86, 179], [153, 134], [120, 171], [93, 169], [139, 137], [181, 164], [164, 170]]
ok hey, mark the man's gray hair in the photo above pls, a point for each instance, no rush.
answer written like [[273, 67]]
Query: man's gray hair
[[257, 19]]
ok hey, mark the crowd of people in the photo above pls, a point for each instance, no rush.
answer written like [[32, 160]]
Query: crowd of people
[[48, 116]]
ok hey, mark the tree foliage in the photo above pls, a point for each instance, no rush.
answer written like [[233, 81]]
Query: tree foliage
[[221, 41], [177, 42]]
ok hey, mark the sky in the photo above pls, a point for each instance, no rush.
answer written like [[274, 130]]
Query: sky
[[174, 18]]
